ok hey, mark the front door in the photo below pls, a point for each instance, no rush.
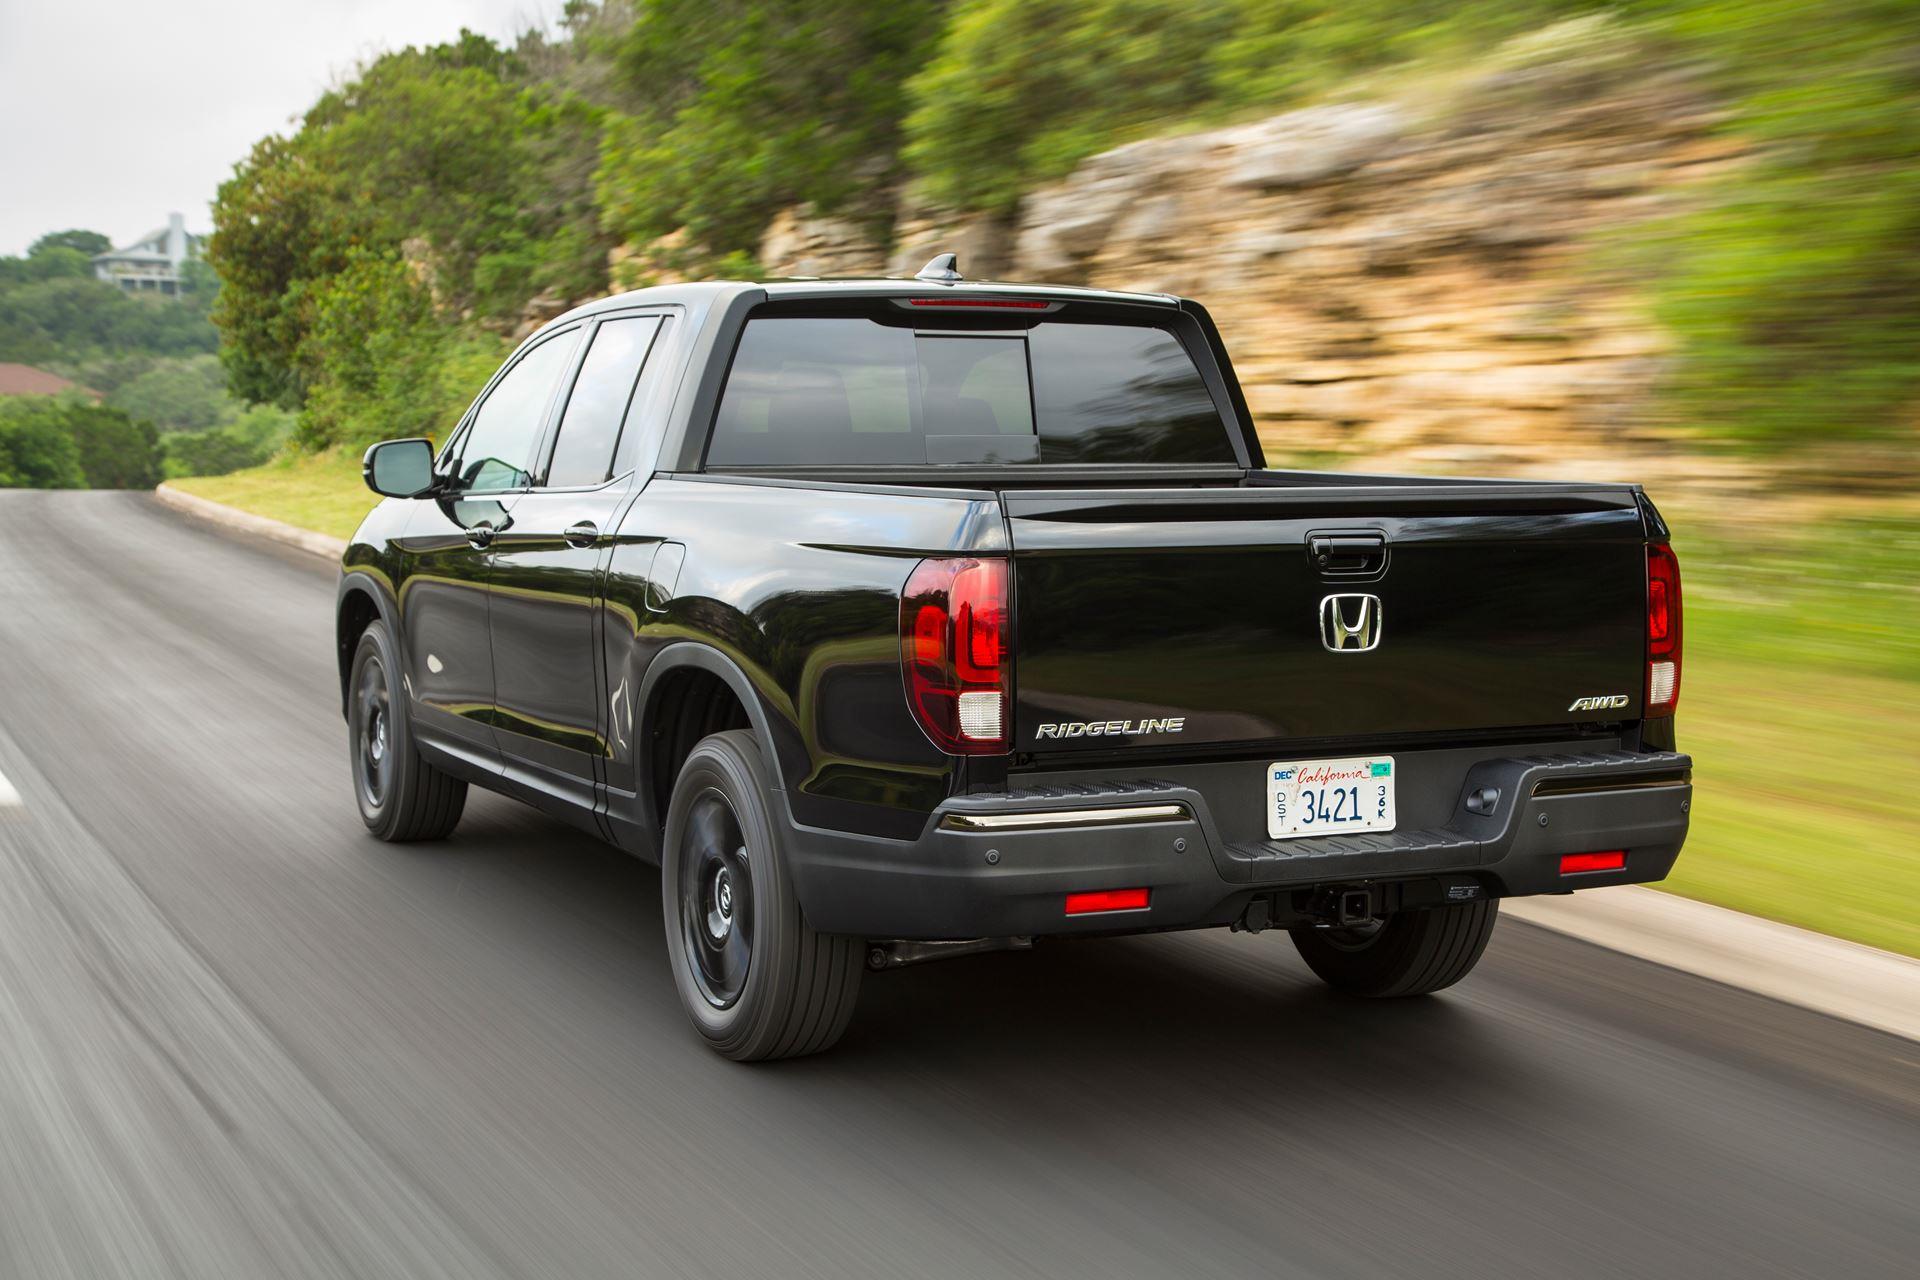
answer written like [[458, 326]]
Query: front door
[[446, 553]]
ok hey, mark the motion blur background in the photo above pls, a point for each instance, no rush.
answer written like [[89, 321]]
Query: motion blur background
[[1671, 241]]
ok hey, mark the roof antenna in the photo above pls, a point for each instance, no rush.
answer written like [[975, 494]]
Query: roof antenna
[[945, 266]]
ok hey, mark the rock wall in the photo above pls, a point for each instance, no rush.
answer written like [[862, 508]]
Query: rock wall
[[1418, 281], [1414, 282]]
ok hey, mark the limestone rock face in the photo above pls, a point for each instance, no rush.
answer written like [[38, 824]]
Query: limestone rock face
[[1414, 283], [799, 242]]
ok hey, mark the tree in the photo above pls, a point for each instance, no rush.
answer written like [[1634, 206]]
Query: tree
[[1023, 90], [744, 106], [446, 164], [37, 450], [178, 395], [87, 242], [115, 452]]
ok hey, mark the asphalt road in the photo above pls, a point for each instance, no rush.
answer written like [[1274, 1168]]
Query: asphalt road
[[238, 1037]]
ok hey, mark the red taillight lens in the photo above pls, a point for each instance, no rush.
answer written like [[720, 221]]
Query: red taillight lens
[[1606, 860], [1663, 630], [954, 653], [1095, 901]]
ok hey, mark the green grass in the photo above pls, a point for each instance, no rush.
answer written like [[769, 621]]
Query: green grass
[[322, 491], [1803, 670]]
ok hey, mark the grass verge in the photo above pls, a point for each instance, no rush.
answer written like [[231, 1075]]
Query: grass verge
[[320, 491]]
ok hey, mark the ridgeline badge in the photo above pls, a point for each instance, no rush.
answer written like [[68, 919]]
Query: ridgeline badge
[[1109, 728]]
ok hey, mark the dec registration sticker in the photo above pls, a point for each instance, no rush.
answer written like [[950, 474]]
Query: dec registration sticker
[[1329, 797]]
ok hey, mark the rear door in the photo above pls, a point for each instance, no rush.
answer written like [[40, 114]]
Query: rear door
[[546, 566], [1205, 616]]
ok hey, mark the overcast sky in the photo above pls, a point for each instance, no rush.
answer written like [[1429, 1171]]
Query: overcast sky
[[112, 114]]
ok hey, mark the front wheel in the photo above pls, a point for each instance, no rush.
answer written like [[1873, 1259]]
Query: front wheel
[[755, 979], [401, 796], [1408, 954]]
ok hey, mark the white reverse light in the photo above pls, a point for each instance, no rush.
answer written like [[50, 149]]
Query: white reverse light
[[1660, 678], [980, 713]]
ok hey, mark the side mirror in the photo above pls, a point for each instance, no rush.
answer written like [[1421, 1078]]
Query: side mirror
[[399, 468]]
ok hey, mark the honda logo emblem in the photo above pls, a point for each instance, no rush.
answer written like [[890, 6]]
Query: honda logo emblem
[[1350, 623]]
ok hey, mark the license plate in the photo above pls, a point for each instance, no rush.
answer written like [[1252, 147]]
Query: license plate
[[1329, 797]]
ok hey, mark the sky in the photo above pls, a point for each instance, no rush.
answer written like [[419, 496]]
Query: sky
[[113, 115]]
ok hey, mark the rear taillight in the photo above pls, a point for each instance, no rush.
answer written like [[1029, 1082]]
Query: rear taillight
[[954, 651], [1663, 630]]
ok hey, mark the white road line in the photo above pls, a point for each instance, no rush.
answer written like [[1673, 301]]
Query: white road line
[[9, 798]]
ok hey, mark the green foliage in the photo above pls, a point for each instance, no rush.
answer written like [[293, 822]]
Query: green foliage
[[85, 242], [115, 451], [1022, 90], [37, 448], [247, 441], [177, 395], [740, 107], [379, 360], [416, 207], [1794, 290], [71, 318]]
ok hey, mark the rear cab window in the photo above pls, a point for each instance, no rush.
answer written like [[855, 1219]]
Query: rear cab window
[[880, 385]]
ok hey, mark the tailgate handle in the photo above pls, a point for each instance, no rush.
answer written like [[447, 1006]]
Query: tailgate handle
[[1343, 554]]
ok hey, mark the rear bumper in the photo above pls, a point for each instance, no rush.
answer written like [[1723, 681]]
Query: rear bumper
[[1002, 865]]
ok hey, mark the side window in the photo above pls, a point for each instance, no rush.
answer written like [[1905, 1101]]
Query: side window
[[600, 403], [499, 444]]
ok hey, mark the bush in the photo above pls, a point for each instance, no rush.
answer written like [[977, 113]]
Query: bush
[[381, 363], [1794, 290], [37, 449], [178, 395], [115, 451], [247, 441]]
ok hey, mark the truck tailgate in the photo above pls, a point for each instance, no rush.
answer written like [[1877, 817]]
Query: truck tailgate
[[1199, 616]]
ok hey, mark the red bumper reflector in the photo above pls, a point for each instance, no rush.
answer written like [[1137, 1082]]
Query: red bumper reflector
[[1610, 860], [1085, 904]]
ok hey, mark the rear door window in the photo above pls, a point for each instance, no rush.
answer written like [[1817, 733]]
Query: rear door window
[[852, 390], [600, 403]]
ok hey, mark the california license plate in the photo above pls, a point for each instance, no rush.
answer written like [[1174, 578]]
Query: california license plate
[[1329, 797]]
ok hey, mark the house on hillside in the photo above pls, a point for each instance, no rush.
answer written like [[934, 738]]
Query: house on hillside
[[153, 262], [25, 380]]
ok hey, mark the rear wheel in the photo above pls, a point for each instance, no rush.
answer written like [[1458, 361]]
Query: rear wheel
[[755, 979], [1408, 954], [401, 796]]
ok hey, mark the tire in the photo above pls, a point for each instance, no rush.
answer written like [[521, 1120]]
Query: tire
[[401, 796], [1410, 953], [755, 980]]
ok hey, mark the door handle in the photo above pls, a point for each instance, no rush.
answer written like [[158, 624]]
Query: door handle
[[584, 534], [480, 535], [1348, 554]]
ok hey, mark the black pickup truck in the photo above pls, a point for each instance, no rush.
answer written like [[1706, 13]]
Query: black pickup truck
[[905, 618]]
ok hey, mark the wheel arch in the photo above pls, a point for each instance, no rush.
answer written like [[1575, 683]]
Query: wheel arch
[[360, 599], [680, 682]]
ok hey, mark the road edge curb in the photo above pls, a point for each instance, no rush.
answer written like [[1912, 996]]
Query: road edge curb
[[1849, 980], [247, 525]]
